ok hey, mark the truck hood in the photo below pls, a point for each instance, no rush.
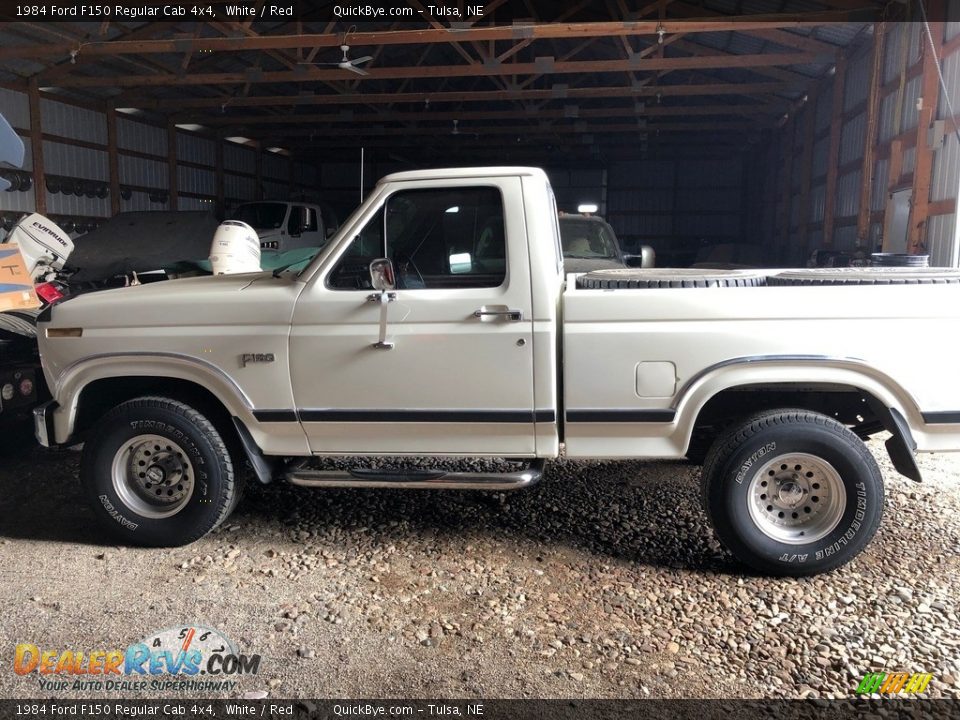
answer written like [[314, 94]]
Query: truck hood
[[213, 300]]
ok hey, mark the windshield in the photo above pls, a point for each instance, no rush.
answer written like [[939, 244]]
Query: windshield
[[261, 215], [587, 239]]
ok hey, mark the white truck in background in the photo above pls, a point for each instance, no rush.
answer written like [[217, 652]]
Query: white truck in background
[[439, 322], [287, 225]]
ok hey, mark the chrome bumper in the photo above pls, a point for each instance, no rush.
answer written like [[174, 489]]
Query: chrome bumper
[[43, 423]]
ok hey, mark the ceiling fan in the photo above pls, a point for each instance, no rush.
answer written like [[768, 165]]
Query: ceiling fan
[[346, 63]]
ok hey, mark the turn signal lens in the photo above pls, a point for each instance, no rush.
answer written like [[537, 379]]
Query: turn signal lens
[[26, 386], [7, 392]]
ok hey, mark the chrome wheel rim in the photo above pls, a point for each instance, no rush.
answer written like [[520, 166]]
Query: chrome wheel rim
[[152, 476], [796, 498]]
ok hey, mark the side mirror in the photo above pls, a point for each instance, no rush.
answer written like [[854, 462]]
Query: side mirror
[[646, 258], [382, 276]]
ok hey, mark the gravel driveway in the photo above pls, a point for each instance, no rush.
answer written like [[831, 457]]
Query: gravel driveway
[[604, 581]]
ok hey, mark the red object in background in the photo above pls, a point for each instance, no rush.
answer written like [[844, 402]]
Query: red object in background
[[48, 292]]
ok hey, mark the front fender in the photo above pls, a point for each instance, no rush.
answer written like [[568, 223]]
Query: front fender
[[272, 438]]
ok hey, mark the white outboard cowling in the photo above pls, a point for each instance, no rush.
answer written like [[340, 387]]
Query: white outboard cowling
[[235, 249], [44, 245]]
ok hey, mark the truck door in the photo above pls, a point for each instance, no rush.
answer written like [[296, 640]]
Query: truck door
[[456, 373]]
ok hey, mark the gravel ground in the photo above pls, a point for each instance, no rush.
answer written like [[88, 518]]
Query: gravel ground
[[605, 581]]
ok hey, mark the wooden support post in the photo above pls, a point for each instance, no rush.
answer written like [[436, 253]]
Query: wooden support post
[[833, 157], [172, 165], [36, 149], [870, 145], [806, 170], [113, 161], [218, 176], [916, 236]]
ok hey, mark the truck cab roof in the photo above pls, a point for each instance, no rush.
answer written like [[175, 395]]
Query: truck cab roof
[[471, 172]]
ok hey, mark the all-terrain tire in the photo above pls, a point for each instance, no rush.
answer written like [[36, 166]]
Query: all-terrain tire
[[171, 445], [792, 492], [866, 276], [637, 278]]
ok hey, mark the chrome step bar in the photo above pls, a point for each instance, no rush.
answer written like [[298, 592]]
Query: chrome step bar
[[417, 478]]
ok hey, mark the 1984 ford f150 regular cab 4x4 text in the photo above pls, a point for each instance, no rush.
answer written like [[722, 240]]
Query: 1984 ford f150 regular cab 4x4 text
[[438, 322]]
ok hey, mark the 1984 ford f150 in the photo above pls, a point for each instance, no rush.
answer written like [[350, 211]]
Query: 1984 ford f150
[[438, 322]]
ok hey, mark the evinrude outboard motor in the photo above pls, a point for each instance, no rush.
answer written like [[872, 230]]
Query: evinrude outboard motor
[[235, 249], [44, 245]]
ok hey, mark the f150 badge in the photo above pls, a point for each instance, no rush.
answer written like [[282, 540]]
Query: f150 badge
[[247, 358]]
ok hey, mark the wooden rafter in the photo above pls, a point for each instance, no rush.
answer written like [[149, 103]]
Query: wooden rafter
[[421, 36], [555, 93], [549, 67]]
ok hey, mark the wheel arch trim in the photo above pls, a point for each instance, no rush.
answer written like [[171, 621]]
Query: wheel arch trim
[[72, 382]]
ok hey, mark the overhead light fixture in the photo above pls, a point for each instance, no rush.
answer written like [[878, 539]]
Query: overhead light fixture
[[661, 32], [278, 150], [239, 139], [586, 208], [191, 126]]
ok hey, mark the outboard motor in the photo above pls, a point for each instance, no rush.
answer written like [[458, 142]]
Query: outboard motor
[[235, 249], [44, 245]]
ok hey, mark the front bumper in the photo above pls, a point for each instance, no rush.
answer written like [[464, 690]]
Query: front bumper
[[43, 423]]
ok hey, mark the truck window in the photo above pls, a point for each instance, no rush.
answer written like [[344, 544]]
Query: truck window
[[444, 238], [261, 215], [302, 219]]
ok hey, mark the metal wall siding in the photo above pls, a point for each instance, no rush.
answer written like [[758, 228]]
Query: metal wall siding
[[17, 202], [888, 117], [195, 180], [75, 161], [140, 201], [824, 108], [276, 191], [16, 108], [239, 159], [191, 148], [893, 51], [909, 160], [856, 85], [143, 172], [879, 183], [951, 76], [952, 30], [853, 139], [821, 151], [73, 122], [917, 36], [845, 238], [276, 166], [239, 187], [942, 241], [648, 173], [305, 174], [818, 195], [714, 200], [911, 94], [62, 204], [946, 170], [706, 225], [132, 135], [848, 194]]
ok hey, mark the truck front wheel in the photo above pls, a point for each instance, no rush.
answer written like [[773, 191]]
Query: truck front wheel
[[158, 473], [791, 492]]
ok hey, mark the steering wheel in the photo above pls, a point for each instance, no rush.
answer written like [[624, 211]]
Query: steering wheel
[[405, 278]]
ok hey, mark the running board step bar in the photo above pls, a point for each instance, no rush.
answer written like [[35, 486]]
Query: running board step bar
[[417, 478]]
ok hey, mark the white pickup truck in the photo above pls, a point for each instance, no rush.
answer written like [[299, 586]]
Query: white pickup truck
[[438, 322]]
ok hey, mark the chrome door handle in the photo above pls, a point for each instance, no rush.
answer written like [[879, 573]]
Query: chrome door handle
[[508, 314]]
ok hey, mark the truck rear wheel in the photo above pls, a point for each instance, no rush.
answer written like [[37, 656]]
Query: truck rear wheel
[[158, 473], [792, 492]]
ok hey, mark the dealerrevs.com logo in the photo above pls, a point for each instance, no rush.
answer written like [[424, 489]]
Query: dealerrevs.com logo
[[191, 658]]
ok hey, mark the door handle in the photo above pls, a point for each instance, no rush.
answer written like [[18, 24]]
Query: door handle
[[506, 314]]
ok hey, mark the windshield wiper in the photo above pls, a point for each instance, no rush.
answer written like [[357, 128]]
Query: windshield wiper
[[282, 268]]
